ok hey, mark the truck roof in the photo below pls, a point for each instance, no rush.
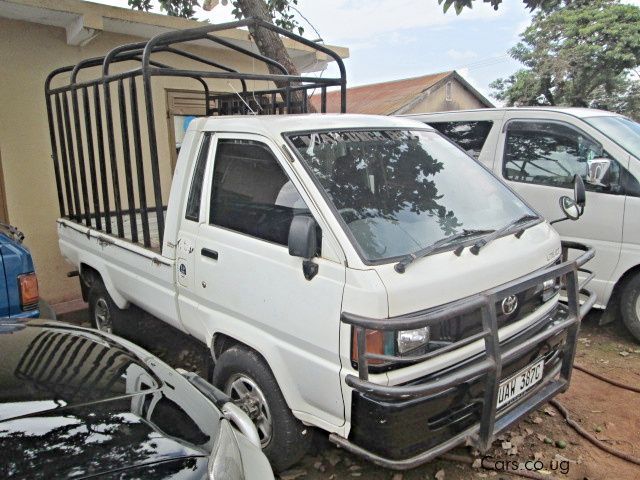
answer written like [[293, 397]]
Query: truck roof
[[275, 125], [574, 111]]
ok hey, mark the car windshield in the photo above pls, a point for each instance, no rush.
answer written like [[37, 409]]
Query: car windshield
[[621, 130], [400, 191]]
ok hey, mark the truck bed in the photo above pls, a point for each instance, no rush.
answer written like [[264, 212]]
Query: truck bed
[[154, 233], [131, 273]]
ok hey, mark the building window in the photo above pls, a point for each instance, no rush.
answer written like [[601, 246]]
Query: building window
[[183, 108]]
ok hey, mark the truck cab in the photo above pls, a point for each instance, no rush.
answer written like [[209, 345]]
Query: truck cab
[[351, 236], [537, 151]]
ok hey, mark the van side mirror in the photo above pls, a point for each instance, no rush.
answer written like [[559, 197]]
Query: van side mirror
[[579, 192], [570, 208], [303, 242], [573, 208], [598, 172]]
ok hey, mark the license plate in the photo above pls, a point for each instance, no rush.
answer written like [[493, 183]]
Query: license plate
[[516, 385]]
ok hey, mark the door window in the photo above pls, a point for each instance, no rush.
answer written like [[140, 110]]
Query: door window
[[195, 193], [470, 136], [251, 194], [549, 153]]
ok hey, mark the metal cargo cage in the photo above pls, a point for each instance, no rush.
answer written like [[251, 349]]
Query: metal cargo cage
[[103, 129]]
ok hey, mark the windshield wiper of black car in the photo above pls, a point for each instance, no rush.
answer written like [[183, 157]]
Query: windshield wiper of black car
[[401, 266], [475, 249]]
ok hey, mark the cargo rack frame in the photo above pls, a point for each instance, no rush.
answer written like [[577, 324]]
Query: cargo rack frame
[[80, 145]]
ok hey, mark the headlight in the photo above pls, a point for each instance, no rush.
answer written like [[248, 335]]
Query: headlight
[[411, 339], [225, 462], [550, 288]]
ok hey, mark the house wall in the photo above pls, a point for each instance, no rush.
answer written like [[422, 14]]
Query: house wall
[[28, 52], [436, 101]]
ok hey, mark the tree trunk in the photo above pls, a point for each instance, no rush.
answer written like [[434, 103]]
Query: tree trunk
[[271, 45]]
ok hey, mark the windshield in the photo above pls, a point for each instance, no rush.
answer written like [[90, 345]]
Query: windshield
[[621, 130], [400, 191]]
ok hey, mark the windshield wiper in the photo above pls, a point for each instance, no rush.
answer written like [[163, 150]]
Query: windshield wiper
[[475, 249], [401, 266]]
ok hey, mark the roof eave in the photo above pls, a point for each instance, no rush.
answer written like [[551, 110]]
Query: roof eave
[[84, 21]]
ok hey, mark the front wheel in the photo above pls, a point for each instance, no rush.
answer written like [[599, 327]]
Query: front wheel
[[243, 375], [630, 306]]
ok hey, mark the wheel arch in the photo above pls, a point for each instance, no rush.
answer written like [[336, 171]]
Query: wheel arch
[[221, 342], [613, 305], [90, 271]]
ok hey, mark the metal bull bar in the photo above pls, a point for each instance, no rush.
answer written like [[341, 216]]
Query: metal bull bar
[[480, 435]]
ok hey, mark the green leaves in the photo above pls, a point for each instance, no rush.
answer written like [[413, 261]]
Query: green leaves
[[282, 13], [173, 8], [578, 55], [541, 5]]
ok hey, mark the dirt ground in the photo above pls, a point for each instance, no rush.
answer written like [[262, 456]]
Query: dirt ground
[[610, 413]]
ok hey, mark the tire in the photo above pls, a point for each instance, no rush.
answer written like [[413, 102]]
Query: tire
[[630, 306], [287, 441], [104, 313]]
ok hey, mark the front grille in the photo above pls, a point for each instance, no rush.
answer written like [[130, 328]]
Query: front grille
[[463, 326]]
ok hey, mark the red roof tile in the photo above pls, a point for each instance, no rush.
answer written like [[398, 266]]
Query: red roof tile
[[380, 98]]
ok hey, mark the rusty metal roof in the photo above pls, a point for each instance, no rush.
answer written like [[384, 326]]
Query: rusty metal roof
[[383, 98]]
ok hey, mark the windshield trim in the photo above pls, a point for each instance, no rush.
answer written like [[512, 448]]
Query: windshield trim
[[586, 120], [334, 210]]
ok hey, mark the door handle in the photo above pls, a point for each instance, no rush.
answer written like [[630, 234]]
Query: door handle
[[205, 252]]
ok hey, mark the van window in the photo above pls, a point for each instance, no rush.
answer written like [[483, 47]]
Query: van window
[[470, 136], [251, 194], [195, 193], [550, 153]]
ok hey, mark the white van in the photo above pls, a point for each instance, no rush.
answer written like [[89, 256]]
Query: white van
[[537, 151]]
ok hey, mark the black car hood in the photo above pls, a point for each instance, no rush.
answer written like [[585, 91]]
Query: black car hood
[[74, 403]]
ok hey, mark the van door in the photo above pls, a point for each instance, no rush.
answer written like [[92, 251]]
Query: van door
[[252, 289], [539, 159]]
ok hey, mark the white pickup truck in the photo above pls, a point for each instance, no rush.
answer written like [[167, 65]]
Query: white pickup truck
[[357, 274]]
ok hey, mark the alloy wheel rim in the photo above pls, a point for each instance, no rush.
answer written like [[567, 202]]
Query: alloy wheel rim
[[245, 393], [103, 316]]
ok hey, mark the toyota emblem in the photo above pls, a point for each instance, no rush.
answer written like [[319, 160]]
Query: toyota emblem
[[509, 304]]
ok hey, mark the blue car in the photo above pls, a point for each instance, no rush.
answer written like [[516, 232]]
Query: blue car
[[19, 296]]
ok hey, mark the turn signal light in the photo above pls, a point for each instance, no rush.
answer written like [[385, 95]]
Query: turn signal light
[[29, 295], [378, 342]]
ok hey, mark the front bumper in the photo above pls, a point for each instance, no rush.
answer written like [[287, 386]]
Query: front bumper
[[403, 426]]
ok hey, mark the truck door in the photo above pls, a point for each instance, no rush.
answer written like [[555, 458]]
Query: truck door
[[539, 159], [251, 289], [192, 215]]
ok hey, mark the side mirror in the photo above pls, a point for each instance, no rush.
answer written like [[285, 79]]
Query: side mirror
[[598, 172], [579, 192], [573, 208], [303, 242], [570, 208]]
